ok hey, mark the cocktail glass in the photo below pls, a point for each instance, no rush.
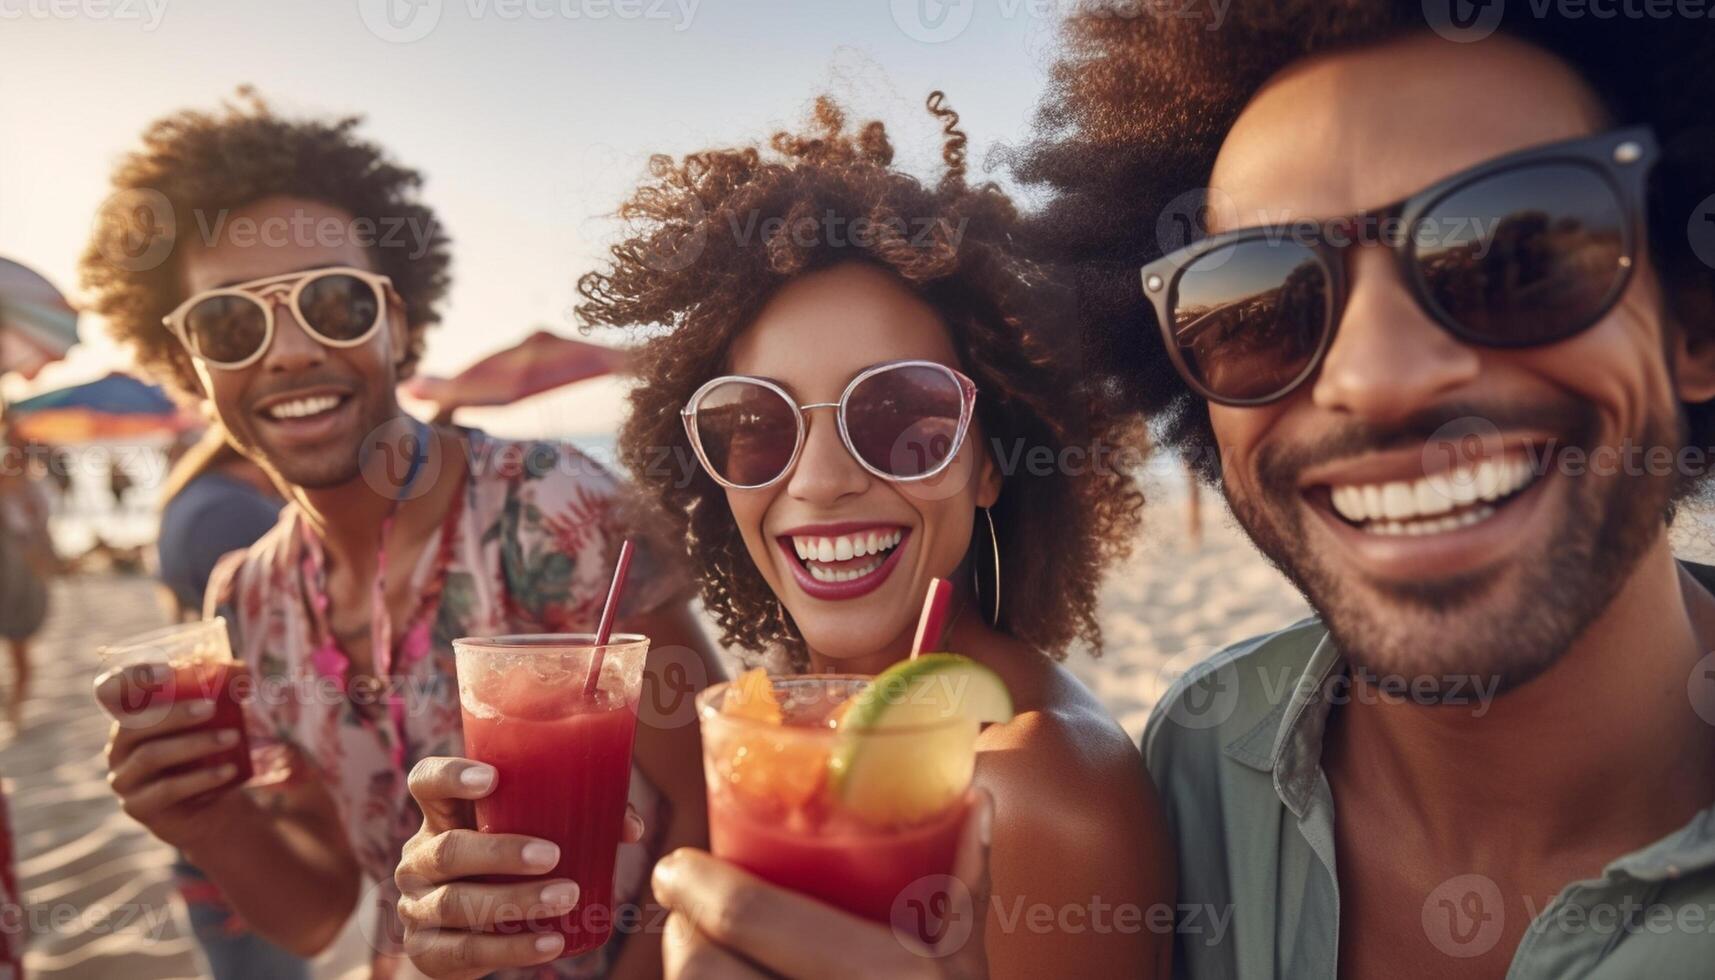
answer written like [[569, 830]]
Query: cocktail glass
[[776, 806], [200, 665], [562, 752]]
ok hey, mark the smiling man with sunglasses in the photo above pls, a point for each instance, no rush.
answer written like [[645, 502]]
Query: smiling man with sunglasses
[[1447, 350], [398, 538]]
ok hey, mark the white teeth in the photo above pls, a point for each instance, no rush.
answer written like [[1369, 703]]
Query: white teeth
[[1372, 498], [304, 407], [815, 552], [1488, 479], [1438, 526], [823, 574], [1428, 500], [1398, 500], [1404, 505]]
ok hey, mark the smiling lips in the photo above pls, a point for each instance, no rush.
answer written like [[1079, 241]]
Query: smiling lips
[[843, 562], [1448, 501], [303, 408]]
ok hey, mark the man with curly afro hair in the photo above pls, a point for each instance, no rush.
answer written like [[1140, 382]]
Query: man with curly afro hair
[[280, 272], [1427, 288]]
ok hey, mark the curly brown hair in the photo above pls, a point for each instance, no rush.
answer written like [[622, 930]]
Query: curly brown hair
[[690, 264], [193, 165], [1141, 100]]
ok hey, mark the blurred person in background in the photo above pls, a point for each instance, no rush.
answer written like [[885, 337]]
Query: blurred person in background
[[27, 563], [300, 280], [216, 502], [119, 483], [59, 471]]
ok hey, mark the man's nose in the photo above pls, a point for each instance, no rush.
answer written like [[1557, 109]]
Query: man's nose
[[292, 349], [1388, 359], [826, 471]]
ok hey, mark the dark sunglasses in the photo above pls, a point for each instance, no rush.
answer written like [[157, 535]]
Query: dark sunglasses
[[902, 421], [231, 327], [1524, 250]]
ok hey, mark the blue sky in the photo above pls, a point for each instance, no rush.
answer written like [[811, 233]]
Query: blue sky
[[530, 118]]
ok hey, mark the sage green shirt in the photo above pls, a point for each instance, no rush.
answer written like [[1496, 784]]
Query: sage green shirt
[[1235, 748]]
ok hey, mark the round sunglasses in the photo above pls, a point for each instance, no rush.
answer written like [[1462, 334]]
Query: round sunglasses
[[902, 421], [1525, 250], [231, 327]]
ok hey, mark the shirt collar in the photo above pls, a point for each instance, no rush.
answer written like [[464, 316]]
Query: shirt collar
[[1287, 744], [1287, 741]]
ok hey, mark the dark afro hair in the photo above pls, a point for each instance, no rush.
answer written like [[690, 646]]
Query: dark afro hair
[[203, 163], [1141, 100]]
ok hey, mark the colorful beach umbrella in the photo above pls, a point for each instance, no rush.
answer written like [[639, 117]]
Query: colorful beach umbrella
[[541, 363], [37, 324], [113, 409]]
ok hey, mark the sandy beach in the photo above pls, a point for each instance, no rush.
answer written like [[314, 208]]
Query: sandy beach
[[97, 884]]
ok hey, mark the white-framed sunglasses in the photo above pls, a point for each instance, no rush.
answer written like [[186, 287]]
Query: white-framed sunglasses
[[231, 327], [902, 421]]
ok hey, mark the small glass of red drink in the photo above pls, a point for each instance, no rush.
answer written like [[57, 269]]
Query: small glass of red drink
[[780, 809], [561, 746], [199, 660]]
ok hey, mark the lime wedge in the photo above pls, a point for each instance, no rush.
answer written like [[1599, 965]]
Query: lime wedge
[[908, 743]]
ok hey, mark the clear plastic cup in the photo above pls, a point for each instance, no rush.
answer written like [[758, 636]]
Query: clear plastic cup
[[563, 756], [199, 662]]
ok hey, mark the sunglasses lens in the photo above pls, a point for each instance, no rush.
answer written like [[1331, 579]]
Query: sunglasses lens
[[339, 306], [226, 329], [904, 421], [1249, 317], [748, 432], [1527, 256]]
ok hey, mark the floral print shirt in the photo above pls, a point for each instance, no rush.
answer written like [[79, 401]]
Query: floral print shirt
[[526, 547]]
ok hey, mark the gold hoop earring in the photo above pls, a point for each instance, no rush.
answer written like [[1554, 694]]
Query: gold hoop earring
[[994, 549]]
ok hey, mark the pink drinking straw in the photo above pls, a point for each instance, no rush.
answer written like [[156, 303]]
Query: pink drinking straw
[[934, 618], [608, 610]]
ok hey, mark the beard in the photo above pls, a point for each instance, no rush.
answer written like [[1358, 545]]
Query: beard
[[1501, 626]]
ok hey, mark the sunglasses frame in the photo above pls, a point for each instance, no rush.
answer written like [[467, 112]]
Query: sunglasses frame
[[967, 410], [264, 292], [1622, 158]]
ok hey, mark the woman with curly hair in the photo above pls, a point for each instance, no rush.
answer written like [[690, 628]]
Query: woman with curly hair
[[811, 271]]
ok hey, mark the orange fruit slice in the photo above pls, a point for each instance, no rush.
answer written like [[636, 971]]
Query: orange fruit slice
[[752, 697], [771, 768]]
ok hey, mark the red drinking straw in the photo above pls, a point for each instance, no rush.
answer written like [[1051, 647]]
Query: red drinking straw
[[608, 610], [934, 618]]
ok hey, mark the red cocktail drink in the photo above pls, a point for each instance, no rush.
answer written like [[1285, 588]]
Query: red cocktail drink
[[562, 755], [811, 789], [199, 660], [218, 681], [843, 862]]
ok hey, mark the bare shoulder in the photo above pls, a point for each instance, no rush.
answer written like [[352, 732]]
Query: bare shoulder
[[1078, 833], [1064, 767], [1059, 727]]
